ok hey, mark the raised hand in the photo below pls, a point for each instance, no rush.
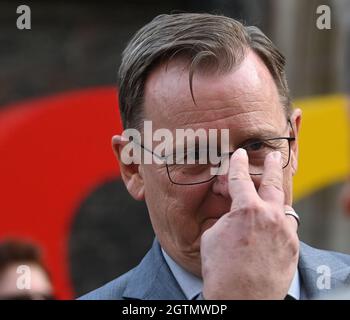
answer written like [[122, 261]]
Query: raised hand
[[252, 251]]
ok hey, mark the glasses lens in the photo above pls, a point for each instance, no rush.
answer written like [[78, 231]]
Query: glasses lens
[[258, 151], [191, 174], [193, 167]]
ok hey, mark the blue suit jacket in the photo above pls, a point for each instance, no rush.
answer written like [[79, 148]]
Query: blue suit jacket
[[153, 280]]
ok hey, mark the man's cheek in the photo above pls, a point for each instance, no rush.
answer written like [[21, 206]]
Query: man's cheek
[[293, 162]]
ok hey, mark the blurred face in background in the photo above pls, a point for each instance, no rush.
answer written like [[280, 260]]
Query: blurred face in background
[[244, 100], [11, 279]]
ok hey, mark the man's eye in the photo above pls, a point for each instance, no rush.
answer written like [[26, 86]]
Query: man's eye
[[256, 146]]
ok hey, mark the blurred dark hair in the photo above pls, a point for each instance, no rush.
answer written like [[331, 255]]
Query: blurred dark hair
[[14, 251]]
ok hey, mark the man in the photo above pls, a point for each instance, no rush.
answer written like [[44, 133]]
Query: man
[[23, 275], [223, 236]]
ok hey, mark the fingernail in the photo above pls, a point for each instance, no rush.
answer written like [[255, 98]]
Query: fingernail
[[277, 156], [240, 152]]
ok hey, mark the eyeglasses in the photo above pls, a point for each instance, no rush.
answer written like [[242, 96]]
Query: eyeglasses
[[181, 172]]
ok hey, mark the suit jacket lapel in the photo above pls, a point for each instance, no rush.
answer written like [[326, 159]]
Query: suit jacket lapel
[[313, 267], [152, 279]]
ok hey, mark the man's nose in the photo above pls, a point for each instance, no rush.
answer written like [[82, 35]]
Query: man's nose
[[220, 185]]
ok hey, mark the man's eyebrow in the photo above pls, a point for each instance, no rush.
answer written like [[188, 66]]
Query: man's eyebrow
[[263, 133], [184, 148]]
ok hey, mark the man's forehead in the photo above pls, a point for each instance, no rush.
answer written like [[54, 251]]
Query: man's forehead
[[243, 94]]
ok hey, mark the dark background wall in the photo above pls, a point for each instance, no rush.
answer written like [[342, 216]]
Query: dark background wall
[[78, 43]]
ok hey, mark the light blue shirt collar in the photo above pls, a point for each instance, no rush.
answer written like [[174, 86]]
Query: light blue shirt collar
[[192, 285]]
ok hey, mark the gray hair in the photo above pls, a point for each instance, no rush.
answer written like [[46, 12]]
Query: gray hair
[[206, 40]]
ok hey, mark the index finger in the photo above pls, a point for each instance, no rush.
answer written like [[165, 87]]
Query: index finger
[[271, 185]]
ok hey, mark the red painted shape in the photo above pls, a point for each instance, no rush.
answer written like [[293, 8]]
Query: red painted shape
[[53, 152]]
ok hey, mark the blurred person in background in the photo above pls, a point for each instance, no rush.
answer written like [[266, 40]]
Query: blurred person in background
[[18, 260]]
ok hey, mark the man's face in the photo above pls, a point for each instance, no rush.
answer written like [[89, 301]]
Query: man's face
[[246, 102]]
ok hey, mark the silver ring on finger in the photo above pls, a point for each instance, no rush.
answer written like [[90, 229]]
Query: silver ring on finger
[[293, 214]]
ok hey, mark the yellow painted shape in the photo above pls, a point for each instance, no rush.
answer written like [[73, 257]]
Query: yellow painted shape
[[324, 144]]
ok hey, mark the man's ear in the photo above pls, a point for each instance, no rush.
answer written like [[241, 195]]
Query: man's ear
[[131, 173], [295, 120]]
